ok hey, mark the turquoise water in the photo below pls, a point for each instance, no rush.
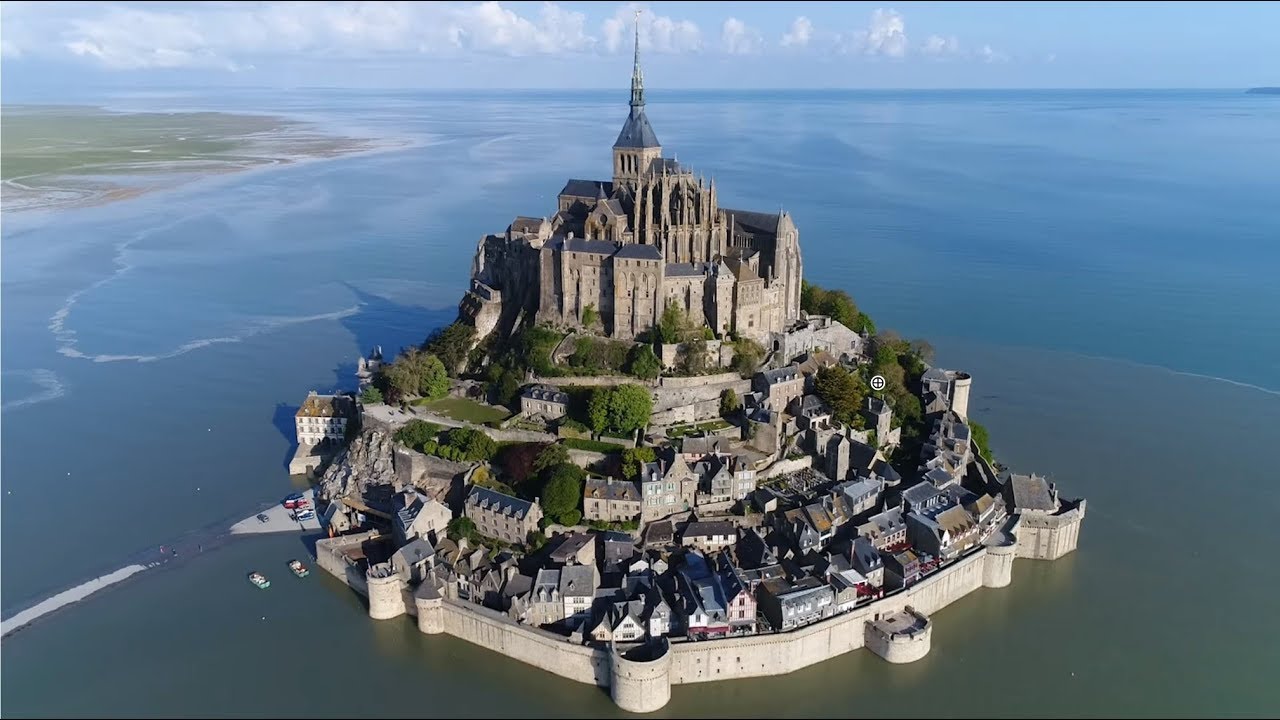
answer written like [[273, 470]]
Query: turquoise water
[[1105, 265]]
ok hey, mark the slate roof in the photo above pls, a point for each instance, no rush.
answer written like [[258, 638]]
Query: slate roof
[[416, 551], [582, 245], [610, 489], [526, 224], [1031, 492], [637, 132], [782, 374], [498, 502], [548, 393], [685, 269], [883, 524], [577, 581], [705, 529], [955, 520], [920, 495], [755, 223], [587, 188], [640, 252], [570, 547]]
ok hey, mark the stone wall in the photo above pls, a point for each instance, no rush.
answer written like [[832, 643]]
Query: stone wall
[[782, 467], [594, 381], [642, 684], [1049, 537]]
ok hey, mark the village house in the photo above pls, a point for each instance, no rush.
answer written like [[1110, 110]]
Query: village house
[[702, 600], [667, 486], [414, 515], [609, 500], [577, 589], [324, 418], [575, 549], [780, 386], [739, 595], [413, 561], [709, 536], [544, 401], [885, 530], [546, 606], [501, 516], [789, 605]]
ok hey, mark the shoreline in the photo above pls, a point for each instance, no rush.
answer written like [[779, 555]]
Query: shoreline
[[194, 544], [75, 188]]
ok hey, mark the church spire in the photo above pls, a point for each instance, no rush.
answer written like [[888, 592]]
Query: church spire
[[637, 77]]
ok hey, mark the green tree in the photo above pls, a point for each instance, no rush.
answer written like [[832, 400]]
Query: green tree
[[630, 407], [463, 527], [598, 408], [371, 396], [729, 402], [693, 357], [842, 391], [981, 440], [451, 344], [747, 354], [563, 490], [416, 434], [634, 459], [471, 444], [643, 363], [507, 386], [590, 316], [671, 326], [434, 380], [552, 455], [535, 540], [572, 517]]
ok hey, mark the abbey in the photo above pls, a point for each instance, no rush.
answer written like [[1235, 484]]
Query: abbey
[[620, 250]]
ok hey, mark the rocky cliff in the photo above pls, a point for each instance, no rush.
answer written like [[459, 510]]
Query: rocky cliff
[[368, 460], [374, 459]]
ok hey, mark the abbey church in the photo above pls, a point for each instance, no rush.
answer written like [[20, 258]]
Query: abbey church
[[620, 250]]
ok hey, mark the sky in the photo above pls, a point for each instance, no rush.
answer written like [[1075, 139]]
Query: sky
[[76, 45]]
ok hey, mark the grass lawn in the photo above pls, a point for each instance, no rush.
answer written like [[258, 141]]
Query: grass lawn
[[591, 445], [463, 409]]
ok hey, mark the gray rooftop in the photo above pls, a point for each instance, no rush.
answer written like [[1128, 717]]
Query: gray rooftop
[[577, 580], [1031, 492], [548, 393], [497, 502], [782, 374], [570, 547], [587, 188], [637, 132], [685, 269], [594, 247], [416, 551], [704, 529], [640, 252], [610, 489]]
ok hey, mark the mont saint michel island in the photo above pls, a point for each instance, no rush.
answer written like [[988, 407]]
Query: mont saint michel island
[[649, 453]]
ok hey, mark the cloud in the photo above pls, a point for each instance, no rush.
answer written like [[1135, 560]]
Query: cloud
[[986, 54], [938, 46], [800, 33], [658, 33], [886, 35], [738, 39], [221, 35]]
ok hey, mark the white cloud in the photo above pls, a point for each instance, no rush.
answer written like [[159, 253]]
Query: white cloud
[[991, 56], [886, 35], [937, 46], [800, 33], [223, 34], [738, 39], [658, 33]]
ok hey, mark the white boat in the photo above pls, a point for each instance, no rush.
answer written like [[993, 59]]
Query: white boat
[[260, 580]]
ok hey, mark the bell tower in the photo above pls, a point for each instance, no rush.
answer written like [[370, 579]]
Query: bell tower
[[637, 145]]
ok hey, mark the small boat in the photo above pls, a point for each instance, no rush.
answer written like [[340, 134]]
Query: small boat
[[298, 568], [260, 580]]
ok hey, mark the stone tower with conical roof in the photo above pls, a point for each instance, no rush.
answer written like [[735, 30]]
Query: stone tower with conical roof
[[637, 145]]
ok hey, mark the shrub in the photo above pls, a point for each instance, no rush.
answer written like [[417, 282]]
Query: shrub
[[572, 517], [633, 460], [563, 490], [371, 396], [416, 434]]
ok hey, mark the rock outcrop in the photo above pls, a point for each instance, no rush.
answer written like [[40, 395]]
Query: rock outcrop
[[368, 460]]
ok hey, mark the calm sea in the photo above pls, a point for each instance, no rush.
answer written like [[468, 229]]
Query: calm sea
[[1105, 264]]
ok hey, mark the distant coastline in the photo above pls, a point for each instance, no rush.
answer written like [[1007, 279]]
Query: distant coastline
[[65, 156], [1263, 91]]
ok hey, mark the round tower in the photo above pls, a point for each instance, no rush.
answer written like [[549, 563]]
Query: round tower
[[960, 394], [430, 611], [640, 677], [385, 598], [997, 566]]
